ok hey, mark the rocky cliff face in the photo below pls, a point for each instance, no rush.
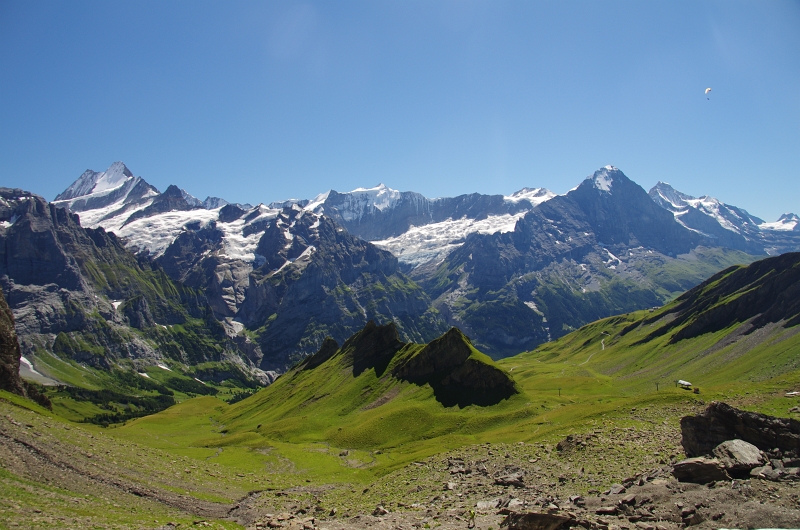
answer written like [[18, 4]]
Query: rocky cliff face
[[458, 373], [324, 282], [9, 351], [79, 294], [721, 422]]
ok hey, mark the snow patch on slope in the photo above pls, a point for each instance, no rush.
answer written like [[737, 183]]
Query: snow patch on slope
[[155, 233], [787, 221], [236, 244], [435, 241], [603, 179], [535, 196]]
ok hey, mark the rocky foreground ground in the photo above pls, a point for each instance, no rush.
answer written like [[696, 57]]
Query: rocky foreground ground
[[611, 475]]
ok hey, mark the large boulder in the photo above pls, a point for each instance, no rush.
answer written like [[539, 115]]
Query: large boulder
[[721, 422], [739, 457], [700, 470]]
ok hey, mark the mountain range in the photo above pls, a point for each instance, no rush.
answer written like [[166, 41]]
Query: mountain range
[[114, 265]]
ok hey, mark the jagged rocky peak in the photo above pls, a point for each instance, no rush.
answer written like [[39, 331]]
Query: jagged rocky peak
[[440, 356], [326, 351], [603, 179], [373, 344], [95, 182], [668, 197], [457, 372]]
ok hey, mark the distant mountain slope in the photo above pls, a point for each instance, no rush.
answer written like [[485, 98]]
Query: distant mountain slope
[[512, 271], [742, 324], [728, 225], [603, 248], [764, 293], [79, 296]]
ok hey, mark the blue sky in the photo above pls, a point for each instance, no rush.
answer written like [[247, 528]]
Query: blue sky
[[262, 101]]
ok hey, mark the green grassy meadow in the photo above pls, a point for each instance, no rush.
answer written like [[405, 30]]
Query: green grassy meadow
[[340, 427]]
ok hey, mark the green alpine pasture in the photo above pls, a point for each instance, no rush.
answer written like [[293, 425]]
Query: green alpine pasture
[[341, 421]]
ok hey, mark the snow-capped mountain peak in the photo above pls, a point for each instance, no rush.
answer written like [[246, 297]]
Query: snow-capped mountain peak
[[787, 221], [354, 205], [191, 199], [379, 197], [317, 202], [669, 195], [92, 182], [533, 195], [603, 178]]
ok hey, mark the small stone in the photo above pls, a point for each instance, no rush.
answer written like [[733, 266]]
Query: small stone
[[629, 499], [606, 510], [616, 489]]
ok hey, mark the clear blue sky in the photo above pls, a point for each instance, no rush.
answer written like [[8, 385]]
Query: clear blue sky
[[261, 101]]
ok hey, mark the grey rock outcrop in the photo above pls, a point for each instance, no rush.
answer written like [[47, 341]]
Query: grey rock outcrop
[[720, 422], [458, 373], [9, 351], [739, 457], [700, 470], [80, 294]]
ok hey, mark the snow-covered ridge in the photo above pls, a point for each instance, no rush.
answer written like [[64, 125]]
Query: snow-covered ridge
[[435, 241], [787, 221], [361, 201], [535, 196], [154, 233], [728, 217]]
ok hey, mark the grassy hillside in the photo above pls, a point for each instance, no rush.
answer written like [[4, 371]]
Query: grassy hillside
[[353, 425], [349, 402]]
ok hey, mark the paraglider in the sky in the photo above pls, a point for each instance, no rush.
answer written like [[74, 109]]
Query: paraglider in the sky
[[707, 91]]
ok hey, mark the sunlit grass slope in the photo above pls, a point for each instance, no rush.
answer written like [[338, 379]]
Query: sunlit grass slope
[[348, 414]]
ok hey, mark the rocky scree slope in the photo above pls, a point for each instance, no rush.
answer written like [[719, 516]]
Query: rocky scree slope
[[78, 294]]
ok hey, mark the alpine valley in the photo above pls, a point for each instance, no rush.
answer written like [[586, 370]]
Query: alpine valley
[[378, 359], [114, 274]]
